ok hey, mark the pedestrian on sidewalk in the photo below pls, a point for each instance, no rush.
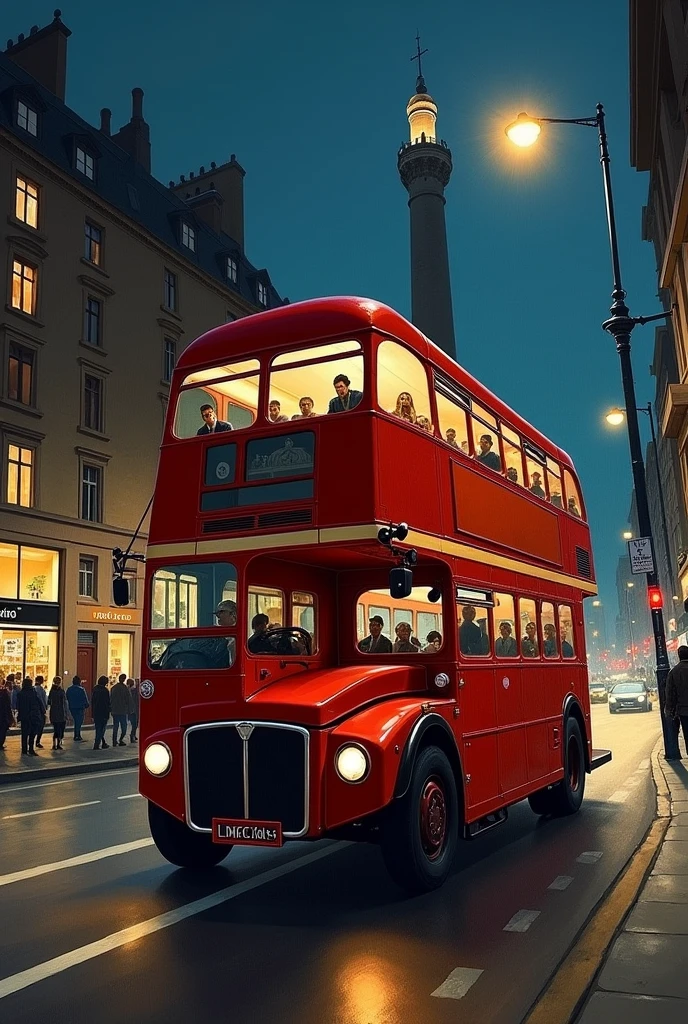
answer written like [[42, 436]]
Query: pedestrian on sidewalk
[[677, 696], [43, 698], [133, 715], [6, 716], [57, 703], [14, 688], [30, 715], [101, 711], [122, 705], [77, 699]]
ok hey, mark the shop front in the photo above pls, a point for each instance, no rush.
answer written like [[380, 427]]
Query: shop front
[[29, 611], [107, 643]]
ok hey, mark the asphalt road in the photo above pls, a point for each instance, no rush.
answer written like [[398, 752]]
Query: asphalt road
[[311, 933]]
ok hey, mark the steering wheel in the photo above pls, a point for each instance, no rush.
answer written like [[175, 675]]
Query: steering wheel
[[282, 633]]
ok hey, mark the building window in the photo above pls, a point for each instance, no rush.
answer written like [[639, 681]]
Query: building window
[[170, 291], [24, 278], [93, 402], [262, 294], [87, 577], [19, 475], [93, 243], [91, 493], [85, 163], [232, 270], [27, 118], [92, 321], [189, 237], [26, 203], [20, 374], [170, 358]]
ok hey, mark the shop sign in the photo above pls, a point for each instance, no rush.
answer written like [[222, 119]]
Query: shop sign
[[117, 616], [28, 613]]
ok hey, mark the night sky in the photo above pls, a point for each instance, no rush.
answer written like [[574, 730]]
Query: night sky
[[311, 98]]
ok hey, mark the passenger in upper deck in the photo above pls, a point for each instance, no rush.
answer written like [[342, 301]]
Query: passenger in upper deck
[[275, 414], [555, 499], [211, 424], [573, 508], [345, 399], [306, 406], [512, 474], [405, 409], [424, 423], [450, 436], [487, 457], [536, 487]]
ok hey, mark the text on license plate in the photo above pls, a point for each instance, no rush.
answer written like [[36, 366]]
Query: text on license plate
[[247, 833]]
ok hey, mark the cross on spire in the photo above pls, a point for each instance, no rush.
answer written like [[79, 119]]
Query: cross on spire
[[417, 56]]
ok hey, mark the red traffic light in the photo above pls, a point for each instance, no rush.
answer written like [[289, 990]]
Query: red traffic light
[[654, 595]]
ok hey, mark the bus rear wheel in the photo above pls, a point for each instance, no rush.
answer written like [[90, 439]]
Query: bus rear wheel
[[182, 846], [420, 837], [566, 796]]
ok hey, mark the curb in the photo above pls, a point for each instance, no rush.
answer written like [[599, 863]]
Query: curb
[[68, 769], [565, 993]]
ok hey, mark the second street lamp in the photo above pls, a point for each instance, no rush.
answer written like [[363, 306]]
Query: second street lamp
[[524, 131]]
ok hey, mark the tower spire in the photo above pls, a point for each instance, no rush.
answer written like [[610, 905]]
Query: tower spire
[[420, 81]]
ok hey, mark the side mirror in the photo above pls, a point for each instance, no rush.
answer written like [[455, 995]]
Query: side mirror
[[120, 591], [400, 582], [434, 595]]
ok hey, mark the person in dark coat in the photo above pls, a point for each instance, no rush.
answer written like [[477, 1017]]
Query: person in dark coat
[[676, 707], [30, 715], [134, 714], [101, 711], [77, 699], [43, 698], [211, 424], [57, 707], [6, 716]]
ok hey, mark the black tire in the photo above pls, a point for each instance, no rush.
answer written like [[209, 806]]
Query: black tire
[[182, 846], [612, 711], [566, 796], [420, 835]]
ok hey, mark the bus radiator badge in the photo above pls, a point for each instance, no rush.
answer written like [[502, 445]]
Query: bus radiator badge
[[245, 729], [146, 689]]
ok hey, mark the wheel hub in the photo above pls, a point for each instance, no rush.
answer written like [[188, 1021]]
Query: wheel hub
[[574, 765], [433, 818]]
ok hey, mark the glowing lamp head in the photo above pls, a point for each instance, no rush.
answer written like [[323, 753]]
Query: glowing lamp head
[[615, 417], [524, 130], [627, 535], [352, 763], [654, 597], [158, 759]]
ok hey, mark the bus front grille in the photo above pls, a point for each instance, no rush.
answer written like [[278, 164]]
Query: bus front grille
[[228, 525], [262, 777]]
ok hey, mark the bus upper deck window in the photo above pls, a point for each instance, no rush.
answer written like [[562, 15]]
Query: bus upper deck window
[[304, 382], [453, 423], [513, 458], [402, 385], [573, 501], [218, 399], [554, 483]]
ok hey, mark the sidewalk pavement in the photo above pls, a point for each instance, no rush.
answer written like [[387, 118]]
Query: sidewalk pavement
[[644, 978], [73, 760]]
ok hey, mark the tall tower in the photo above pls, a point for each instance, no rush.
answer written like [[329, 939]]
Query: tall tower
[[425, 166]]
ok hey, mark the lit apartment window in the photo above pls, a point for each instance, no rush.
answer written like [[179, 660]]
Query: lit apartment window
[[189, 237], [262, 294], [170, 358], [87, 577], [93, 402], [24, 286], [84, 163], [19, 475], [231, 270], [93, 321], [91, 493], [26, 204], [93, 243], [27, 118], [20, 374], [170, 291]]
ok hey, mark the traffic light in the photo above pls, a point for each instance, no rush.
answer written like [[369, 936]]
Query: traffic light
[[654, 595]]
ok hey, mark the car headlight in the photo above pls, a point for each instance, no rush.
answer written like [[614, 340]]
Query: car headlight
[[612, 700], [158, 759], [352, 763], [641, 698]]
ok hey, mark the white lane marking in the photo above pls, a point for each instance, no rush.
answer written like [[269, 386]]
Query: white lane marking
[[632, 781], [590, 856], [136, 932], [521, 921], [620, 797], [457, 984], [561, 882], [50, 810], [65, 782], [644, 765], [128, 796], [73, 862]]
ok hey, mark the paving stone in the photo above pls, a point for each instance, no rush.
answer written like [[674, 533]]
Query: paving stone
[[614, 1008], [676, 833], [680, 819], [662, 918], [665, 889], [678, 806], [672, 860], [644, 964]]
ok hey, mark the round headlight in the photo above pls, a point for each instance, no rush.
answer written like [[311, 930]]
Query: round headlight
[[641, 697], [612, 700], [158, 759], [352, 763]]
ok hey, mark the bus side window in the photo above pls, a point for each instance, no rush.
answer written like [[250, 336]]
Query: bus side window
[[302, 380], [486, 445], [503, 626], [550, 646], [535, 473], [554, 483], [303, 614], [474, 638], [402, 384], [566, 638], [527, 613], [513, 459], [453, 426], [573, 501]]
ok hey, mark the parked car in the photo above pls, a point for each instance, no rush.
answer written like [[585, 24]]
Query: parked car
[[598, 693], [629, 697]]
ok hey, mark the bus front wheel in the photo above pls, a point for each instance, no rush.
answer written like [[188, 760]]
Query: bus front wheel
[[420, 837], [566, 796], [181, 845]]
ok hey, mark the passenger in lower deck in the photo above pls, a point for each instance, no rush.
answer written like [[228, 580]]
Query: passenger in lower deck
[[403, 643], [376, 642]]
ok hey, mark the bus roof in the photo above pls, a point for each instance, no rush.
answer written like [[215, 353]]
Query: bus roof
[[336, 317]]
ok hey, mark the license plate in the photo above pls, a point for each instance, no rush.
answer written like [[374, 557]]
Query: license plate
[[240, 832]]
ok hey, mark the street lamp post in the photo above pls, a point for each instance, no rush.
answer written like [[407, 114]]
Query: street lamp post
[[523, 132], [630, 624]]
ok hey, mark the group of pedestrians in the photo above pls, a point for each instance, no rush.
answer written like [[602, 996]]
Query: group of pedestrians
[[33, 704]]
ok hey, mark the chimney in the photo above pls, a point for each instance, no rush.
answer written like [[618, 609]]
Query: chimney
[[228, 181], [134, 137], [43, 55], [105, 116]]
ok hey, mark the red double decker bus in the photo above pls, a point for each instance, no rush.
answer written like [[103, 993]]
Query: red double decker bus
[[364, 598]]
